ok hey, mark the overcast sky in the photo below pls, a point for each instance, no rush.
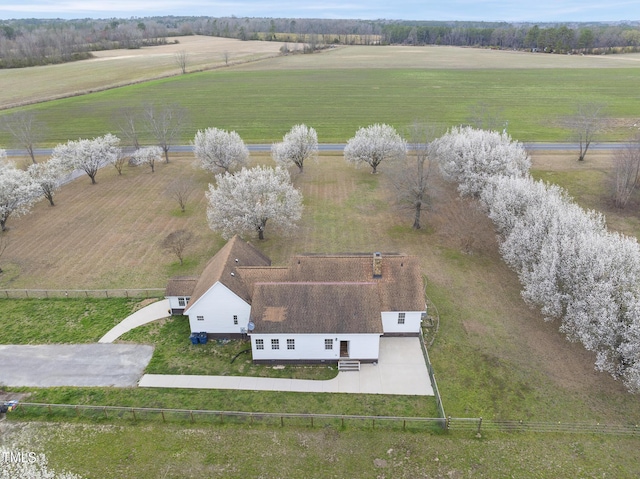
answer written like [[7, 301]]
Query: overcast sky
[[488, 10]]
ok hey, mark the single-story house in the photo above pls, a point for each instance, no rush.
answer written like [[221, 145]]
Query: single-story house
[[322, 307]]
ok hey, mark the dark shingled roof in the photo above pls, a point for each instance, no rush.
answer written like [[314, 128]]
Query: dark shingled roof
[[328, 293], [331, 308], [223, 268], [181, 286], [400, 286]]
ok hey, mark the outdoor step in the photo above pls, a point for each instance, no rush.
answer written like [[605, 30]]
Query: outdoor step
[[348, 365]]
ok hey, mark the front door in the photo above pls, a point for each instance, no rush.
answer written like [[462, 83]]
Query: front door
[[344, 349]]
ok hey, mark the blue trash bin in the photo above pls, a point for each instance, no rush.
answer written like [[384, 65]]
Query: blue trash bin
[[202, 337], [194, 338]]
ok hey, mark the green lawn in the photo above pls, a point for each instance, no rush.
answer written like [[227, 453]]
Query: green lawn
[[44, 321], [263, 105], [174, 354]]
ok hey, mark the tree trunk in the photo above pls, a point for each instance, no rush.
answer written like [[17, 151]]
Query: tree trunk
[[416, 219], [49, 196], [93, 179], [166, 153], [3, 224]]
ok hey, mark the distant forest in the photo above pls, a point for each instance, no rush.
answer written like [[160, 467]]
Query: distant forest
[[28, 42]]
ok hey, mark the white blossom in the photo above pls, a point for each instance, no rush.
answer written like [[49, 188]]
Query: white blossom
[[147, 156], [89, 155], [298, 145], [48, 176], [219, 150], [17, 192], [471, 157], [374, 144], [246, 201]]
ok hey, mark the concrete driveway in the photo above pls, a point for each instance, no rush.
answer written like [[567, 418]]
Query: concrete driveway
[[401, 369], [51, 365]]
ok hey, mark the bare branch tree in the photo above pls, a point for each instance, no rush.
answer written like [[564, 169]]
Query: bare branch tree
[[225, 57], [626, 171], [487, 116], [180, 190], [128, 121], [182, 60], [585, 124], [411, 176], [177, 241], [119, 161], [26, 129], [165, 124]]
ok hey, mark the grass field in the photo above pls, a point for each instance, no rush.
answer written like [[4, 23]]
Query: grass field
[[112, 68], [494, 357], [339, 91]]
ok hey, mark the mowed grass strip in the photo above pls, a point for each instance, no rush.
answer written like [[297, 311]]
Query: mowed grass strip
[[150, 451], [48, 321], [263, 105]]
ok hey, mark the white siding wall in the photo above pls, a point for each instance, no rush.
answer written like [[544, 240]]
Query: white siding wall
[[411, 322], [174, 304], [218, 306], [312, 347]]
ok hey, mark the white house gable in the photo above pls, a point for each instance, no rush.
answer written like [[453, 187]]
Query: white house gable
[[219, 311]]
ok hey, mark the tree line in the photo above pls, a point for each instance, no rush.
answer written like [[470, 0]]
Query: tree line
[[29, 42], [33, 42]]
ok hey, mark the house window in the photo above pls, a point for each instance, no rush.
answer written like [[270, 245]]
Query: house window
[[235, 319], [401, 318], [182, 302], [200, 318], [291, 344], [328, 344], [259, 343], [275, 344]]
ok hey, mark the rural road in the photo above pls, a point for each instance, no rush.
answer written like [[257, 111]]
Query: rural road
[[51, 365], [264, 147]]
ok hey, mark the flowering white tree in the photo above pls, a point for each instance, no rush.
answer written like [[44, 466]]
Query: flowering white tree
[[17, 191], [246, 201], [573, 269], [374, 144], [147, 155], [89, 155], [299, 144], [220, 150], [48, 176], [470, 157]]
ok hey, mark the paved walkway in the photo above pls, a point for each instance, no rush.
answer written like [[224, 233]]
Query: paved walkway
[[401, 369], [153, 312], [51, 365]]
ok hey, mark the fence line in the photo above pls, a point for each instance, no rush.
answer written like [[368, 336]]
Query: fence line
[[432, 377], [472, 425], [82, 293], [479, 425], [138, 413]]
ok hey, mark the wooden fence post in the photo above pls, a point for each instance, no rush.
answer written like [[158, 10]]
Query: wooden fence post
[[134, 414], [162, 412], [479, 424]]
